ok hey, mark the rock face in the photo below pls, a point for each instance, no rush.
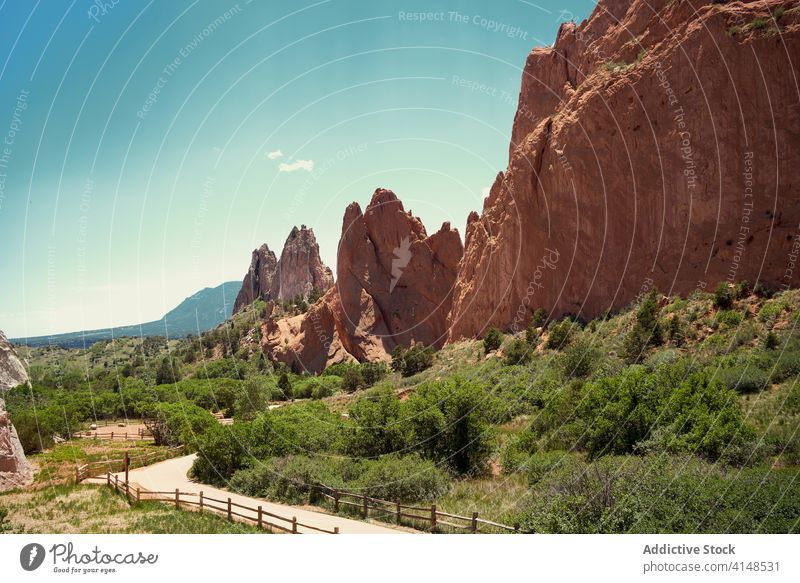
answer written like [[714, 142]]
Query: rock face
[[300, 268], [394, 287], [655, 143], [15, 471], [298, 271]]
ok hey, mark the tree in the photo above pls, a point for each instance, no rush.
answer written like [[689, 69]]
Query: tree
[[539, 318], [167, 371], [285, 385], [352, 380], [723, 297], [252, 399], [492, 341], [372, 372]]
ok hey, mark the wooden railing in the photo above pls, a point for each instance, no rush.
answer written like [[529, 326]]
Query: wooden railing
[[228, 508], [101, 467], [140, 435], [429, 516]]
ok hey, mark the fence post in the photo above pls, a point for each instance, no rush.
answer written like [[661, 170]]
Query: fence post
[[77, 475], [474, 527], [138, 499], [336, 500], [230, 516], [116, 482], [201, 501], [398, 513], [294, 525], [177, 499], [260, 521], [112, 436], [366, 508], [108, 478], [335, 530], [433, 517]]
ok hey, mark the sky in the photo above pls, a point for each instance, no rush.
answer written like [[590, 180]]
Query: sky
[[146, 148]]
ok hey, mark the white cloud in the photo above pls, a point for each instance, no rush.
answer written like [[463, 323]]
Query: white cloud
[[307, 165], [274, 155]]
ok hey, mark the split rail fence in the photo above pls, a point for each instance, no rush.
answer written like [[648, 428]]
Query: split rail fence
[[429, 517], [228, 508], [101, 467]]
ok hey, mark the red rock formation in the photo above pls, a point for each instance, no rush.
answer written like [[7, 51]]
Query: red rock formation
[[298, 271], [394, 286], [656, 143], [260, 281], [300, 268], [15, 470]]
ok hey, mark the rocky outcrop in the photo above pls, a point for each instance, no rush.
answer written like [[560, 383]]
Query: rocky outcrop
[[393, 287], [15, 470], [260, 281], [655, 143], [298, 271], [300, 268]]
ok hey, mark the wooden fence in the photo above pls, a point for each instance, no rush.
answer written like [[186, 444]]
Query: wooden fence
[[101, 467], [140, 435], [430, 517], [228, 508]]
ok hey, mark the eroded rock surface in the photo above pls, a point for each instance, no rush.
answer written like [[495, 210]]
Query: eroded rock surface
[[655, 143], [15, 470]]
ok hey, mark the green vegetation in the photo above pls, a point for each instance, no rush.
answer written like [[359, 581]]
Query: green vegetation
[[675, 415], [493, 340]]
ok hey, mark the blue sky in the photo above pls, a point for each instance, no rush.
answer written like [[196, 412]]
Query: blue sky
[[148, 147]]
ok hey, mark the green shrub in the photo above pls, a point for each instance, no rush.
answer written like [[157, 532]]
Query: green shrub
[[403, 478], [729, 318], [662, 495], [352, 380], [290, 479], [448, 421], [373, 372], [787, 366], [492, 341], [580, 359], [539, 317], [540, 464], [409, 362], [744, 379], [376, 425], [221, 451], [560, 334], [723, 296], [518, 351]]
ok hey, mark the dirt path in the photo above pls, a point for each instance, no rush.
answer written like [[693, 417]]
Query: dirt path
[[170, 474]]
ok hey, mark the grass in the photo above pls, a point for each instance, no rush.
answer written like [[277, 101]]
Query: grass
[[494, 499], [57, 465], [82, 509]]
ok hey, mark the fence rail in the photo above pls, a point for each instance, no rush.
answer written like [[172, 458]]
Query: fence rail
[[431, 516], [98, 468], [200, 503], [140, 435]]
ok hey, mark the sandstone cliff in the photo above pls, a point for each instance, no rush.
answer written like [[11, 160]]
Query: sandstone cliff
[[656, 143], [298, 271], [394, 287], [15, 471]]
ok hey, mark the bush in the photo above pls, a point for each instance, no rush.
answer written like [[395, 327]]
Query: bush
[[317, 387], [539, 317], [290, 479], [411, 361], [377, 427], [352, 380], [787, 366], [580, 359], [373, 372], [492, 341], [540, 464], [729, 318], [285, 385], [723, 296], [448, 422], [662, 495], [559, 334], [180, 423], [744, 379], [403, 478], [221, 451], [518, 351]]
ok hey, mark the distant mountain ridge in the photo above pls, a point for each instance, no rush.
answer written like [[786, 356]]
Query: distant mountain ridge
[[199, 312]]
